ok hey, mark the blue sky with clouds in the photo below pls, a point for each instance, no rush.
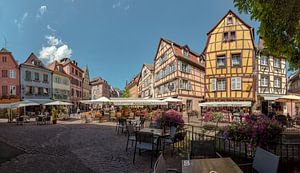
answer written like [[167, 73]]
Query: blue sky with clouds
[[113, 37]]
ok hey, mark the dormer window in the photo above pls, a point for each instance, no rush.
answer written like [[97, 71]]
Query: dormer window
[[185, 53], [229, 20]]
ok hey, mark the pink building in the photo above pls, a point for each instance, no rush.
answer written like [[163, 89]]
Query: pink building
[[76, 74], [9, 77]]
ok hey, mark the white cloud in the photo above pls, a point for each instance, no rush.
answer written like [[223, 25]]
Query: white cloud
[[121, 5], [50, 28], [56, 50], [21, 21], [116, 4], [53, 41], [42, 10], [126, 7]]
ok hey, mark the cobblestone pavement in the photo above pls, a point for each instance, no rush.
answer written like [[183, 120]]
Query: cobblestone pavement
[[72, 147]]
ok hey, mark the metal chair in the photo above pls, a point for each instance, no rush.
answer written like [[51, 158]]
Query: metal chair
[[160, 166], [141, 123], [145, 141], [130, 135], [170, 139], [204, 148], [264, 161], [121, 124]]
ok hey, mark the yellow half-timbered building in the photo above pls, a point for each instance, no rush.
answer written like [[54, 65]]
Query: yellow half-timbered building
[[179, 73], [230, 62]]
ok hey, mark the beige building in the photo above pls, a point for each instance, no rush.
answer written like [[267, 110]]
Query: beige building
[[271, 78], [86, 88], [146, 81], [61, 82], [179, 73], [133, 87], [99, 88]]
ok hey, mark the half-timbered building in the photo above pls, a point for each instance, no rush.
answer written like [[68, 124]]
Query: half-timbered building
[[146, 81], [271, 78], [230, 62], [179, 73]]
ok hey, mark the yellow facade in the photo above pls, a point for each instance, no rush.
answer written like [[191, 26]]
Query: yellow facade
[[229, 61]]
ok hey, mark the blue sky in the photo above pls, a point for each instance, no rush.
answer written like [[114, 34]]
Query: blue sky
[[113, 37]]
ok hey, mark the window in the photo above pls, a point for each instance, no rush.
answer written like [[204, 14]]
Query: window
[[221, 61], [185, 53], [4, 59], [72, 92], [277, 62], [228, 36], [4, 73], [73, 70], [29, 90], [12, 90], [185, 84], [264, 81], [45, 78], [173, 67], [12, 74], [185, 67], [229, 20], [189, 104], [213, 84], [236, 83], [46, 91], [36, 76], [232, 35], [40, 91], [277, 83], [4, 90], [236, 59], [264, 60], [221, 84], [163, 58], [225, 36], [28, 75]]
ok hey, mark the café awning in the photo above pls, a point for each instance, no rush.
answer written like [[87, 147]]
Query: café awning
[[136, 102], [225, 104]]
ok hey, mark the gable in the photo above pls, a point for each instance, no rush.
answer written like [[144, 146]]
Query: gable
[[163, 46]]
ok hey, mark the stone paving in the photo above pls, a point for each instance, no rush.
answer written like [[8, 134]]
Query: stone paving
[[72, 146]]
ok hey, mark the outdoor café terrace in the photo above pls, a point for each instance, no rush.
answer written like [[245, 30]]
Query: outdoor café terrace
[[139, 139]]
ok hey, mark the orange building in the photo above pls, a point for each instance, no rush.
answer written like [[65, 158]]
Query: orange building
[[133, 86]]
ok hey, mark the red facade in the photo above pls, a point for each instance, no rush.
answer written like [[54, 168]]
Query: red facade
[[9, 77]]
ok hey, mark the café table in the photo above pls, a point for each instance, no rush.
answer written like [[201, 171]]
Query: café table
[[212, 165], [155, 131]]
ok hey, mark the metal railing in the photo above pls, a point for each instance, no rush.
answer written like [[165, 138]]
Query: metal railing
[[288, 150]]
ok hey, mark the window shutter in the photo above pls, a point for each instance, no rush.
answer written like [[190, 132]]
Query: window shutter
[[233, 83], [214, 86], [239, 83], [189, 68], [180, 65]]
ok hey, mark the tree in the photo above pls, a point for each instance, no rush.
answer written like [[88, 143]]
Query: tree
[[279, 26], [126, 93]]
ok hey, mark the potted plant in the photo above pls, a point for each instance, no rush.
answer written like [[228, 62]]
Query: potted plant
[[169, 118], [54, 114]]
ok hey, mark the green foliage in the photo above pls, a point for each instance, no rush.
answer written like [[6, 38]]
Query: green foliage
[[126, 93], [279, 26]]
